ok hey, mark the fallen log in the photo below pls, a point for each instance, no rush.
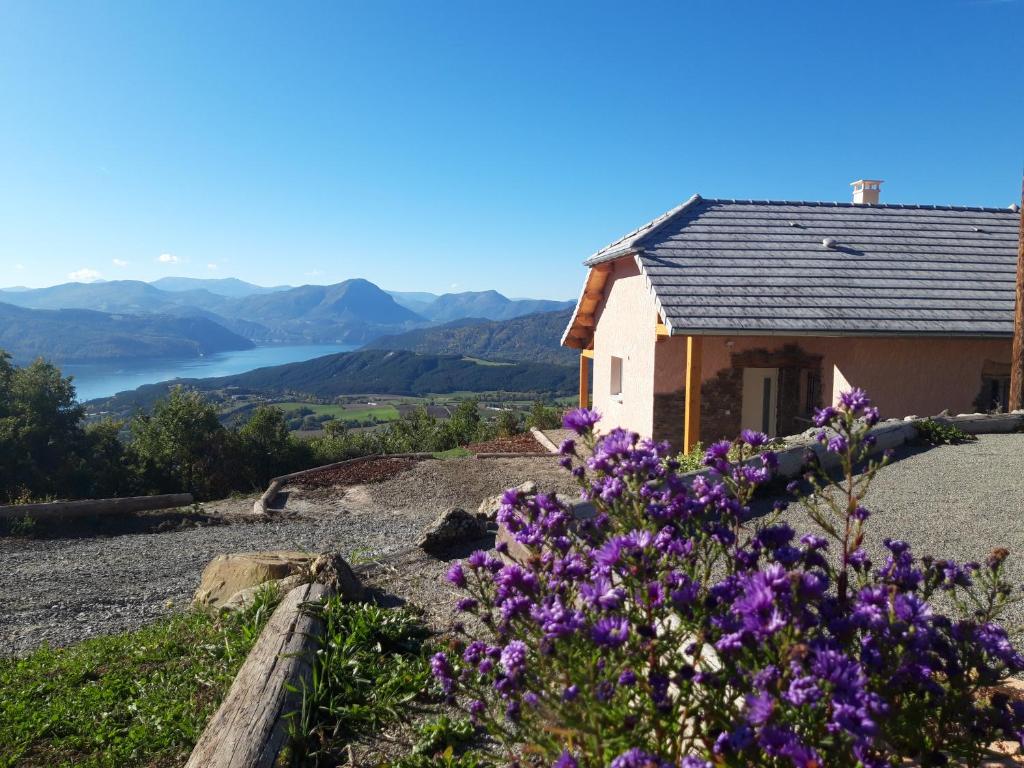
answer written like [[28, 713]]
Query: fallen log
[[249, 729], [87, 507]]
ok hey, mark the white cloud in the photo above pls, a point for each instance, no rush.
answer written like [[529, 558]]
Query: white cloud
[[119, 263], [454, 285], [84, 275], [19, 267], [168, 258], [212, 267], [313, 273]]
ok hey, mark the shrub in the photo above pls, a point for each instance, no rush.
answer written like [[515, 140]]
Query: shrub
[[671, 631], [937, 433], [543, 416]]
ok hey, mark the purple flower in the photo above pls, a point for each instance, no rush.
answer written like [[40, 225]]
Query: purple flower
[[823, 416], [759, 708], [566, 760], [456, 575], [753, 439], [466, 604], [855, 400], [610, 631], [837, 444], [442, 670], [580, 420], [567, 447], [513, 658], [637, 758]]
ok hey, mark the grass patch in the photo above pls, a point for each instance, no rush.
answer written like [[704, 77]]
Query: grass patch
[[370, 670], [452, 453], [136, 699]]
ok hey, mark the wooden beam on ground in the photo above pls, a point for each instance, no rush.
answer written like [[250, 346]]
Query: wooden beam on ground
[[88, 507], [1017, 359], [691, 429], [584, 382], [249, 730]]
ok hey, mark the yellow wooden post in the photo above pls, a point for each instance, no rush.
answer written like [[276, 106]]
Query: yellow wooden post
[[584, 382], [691, 430]]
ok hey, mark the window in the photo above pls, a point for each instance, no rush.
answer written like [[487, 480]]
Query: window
[[615, 388]]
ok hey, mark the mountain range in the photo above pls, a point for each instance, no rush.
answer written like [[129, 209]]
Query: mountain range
[[77, 335], [354, 311]]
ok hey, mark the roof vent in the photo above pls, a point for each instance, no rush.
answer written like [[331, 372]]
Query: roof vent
[[866, 191], [829, 242], [1014, 207]]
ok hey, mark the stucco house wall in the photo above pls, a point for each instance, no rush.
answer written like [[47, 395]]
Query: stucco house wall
[[903, 375], [625, 320]]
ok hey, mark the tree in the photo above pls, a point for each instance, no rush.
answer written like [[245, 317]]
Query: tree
[[41, 438], [267, 445], [183, 447]]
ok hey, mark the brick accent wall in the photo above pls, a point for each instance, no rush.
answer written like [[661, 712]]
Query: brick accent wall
[[722, 396], [721, 405], [669, 414]]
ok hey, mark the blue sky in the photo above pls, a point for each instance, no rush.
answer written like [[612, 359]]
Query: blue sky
[[471, 145]]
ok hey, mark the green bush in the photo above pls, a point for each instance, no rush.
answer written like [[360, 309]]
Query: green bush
[[937, 433]]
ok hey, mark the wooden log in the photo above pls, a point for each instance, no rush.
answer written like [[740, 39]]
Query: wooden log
[[543, 439], [87, 507], [249, 729]]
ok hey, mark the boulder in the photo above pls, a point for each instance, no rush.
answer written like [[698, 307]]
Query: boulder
[[229, 574], [454, 526], [489, 506], [332, 570]]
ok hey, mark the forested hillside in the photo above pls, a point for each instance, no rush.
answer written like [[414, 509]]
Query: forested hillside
[[532, 338]]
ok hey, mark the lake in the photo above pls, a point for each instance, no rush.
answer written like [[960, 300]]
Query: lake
[[104, 379]]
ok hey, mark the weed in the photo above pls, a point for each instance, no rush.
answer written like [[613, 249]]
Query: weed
[[21, 526], [936, 433], [368, 671]]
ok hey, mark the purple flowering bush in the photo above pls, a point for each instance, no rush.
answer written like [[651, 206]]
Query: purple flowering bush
[[673, 630]]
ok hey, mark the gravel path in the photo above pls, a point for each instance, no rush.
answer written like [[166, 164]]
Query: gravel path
[[952, 501], [59, 591]]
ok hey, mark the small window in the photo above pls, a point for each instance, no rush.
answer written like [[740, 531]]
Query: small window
[[615, 388]]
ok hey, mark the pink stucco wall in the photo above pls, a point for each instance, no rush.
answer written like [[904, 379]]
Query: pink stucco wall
[[921, 376], [625, 318], [904, 376]]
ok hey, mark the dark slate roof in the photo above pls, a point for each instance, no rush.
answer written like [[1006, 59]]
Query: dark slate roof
[[760, 266]]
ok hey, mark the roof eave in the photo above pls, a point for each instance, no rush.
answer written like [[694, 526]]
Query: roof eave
[[676, 331], [628, 244]]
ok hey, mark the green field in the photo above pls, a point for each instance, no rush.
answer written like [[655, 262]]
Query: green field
[[343, 413]]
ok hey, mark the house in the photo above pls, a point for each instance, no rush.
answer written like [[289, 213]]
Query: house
[[728, 314]]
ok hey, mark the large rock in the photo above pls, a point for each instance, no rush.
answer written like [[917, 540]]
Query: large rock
[[332, 570], [229, 574], [452, 527], [489, 506]]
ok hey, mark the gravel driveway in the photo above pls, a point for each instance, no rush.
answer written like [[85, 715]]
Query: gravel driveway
[[60, 591], [953, 501]]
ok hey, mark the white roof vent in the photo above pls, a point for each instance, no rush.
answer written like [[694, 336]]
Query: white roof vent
[[1014, 207], [866, 191], [829, 242]]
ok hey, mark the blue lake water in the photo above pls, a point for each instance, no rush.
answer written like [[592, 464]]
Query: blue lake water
[[108, 378]]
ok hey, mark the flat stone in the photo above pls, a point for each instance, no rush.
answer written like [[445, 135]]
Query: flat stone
[[229, 574]]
